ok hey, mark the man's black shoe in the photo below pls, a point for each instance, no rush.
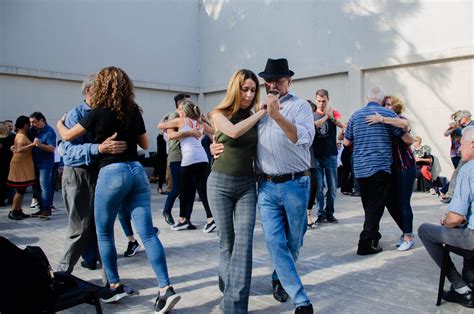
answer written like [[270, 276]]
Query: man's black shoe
[[320, 220], [332, 219], [278, 292], [168, 218], [446, 200], [375, 242], [463, 299], [88, 266], [368, 251], [305, 309]]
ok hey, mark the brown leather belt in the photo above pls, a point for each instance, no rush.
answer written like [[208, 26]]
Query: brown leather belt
[[283, 177]]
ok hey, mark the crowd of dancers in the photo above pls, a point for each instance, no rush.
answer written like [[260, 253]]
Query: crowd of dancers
[[273, 155]]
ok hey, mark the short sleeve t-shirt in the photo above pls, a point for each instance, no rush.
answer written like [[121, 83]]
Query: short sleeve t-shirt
[[103, 123], [324, 143]]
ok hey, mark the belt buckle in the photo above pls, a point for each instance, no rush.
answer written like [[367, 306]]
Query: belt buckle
[[292, 176]]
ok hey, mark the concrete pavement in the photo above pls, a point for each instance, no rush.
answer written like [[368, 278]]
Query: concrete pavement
[[337, 280]]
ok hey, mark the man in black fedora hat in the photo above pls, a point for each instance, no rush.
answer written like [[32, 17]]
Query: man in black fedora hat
[[283, 161]]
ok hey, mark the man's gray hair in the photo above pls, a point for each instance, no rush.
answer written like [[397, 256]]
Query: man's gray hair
[[88, 82], [468, 133], [376, 93]]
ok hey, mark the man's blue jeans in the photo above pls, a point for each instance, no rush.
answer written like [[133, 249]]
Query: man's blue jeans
[[282, 208], [326, 167], [45, 172], [125, 185]]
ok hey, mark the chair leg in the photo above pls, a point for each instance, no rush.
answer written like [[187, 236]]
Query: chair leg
[[442, 274], [96, 303]]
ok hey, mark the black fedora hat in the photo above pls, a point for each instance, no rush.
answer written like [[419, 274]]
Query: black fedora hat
[[276, 68]]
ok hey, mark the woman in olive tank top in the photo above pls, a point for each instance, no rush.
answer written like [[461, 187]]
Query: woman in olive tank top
[[231, 187]]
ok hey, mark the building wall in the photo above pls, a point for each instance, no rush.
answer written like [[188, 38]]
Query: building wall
[[422, 51]]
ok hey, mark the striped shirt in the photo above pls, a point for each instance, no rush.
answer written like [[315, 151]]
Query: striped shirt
[[276, 154], [372, 143]]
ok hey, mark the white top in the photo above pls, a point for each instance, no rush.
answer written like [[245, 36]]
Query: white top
[[191, 147]]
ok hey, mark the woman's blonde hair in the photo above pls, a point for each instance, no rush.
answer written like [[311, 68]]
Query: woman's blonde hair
[[113, 89], [417, 139], [191, 110], [233, 98], [397, 105]]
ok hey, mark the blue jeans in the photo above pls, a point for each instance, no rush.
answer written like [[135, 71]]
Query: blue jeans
[[398, 204], [126, 222], [326, 167], [282, 208], [125, 185], [45, 172]]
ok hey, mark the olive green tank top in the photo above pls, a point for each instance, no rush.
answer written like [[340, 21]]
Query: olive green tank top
[[237, 158]]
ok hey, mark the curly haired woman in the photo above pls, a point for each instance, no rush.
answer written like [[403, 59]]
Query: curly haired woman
[[122, 182]]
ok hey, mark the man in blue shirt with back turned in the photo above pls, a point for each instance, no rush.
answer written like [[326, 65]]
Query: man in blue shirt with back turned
[[372, 160], [78, 186]]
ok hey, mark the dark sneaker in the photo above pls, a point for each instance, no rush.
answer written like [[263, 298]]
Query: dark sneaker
[[132, 248], [15, 215], [85, 264], [331, 219], [23, 215], [165, 303], [466, 299], [191, 226], [446, 200], [180, 226], [115, 294], [44, 213], [320, 220], [168, 218], [208, 228], [304, 309]]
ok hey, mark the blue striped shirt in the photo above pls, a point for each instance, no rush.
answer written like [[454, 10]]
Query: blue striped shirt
[[463, 198], [372, 143], [276, 154]]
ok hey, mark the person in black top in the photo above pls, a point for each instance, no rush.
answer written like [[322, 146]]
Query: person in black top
[[122, 183]]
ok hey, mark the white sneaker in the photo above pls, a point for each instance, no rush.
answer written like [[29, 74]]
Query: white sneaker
[[208, 228], [406, 245], [400, 241]]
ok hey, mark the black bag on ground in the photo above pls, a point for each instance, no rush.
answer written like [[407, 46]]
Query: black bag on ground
[[26, 278], [31, 286]]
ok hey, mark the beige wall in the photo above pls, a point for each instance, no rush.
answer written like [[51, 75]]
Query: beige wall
[[422, 50], [431, 92]]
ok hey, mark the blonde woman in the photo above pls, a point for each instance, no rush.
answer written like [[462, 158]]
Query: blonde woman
[[194, 165], [231, 186]]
